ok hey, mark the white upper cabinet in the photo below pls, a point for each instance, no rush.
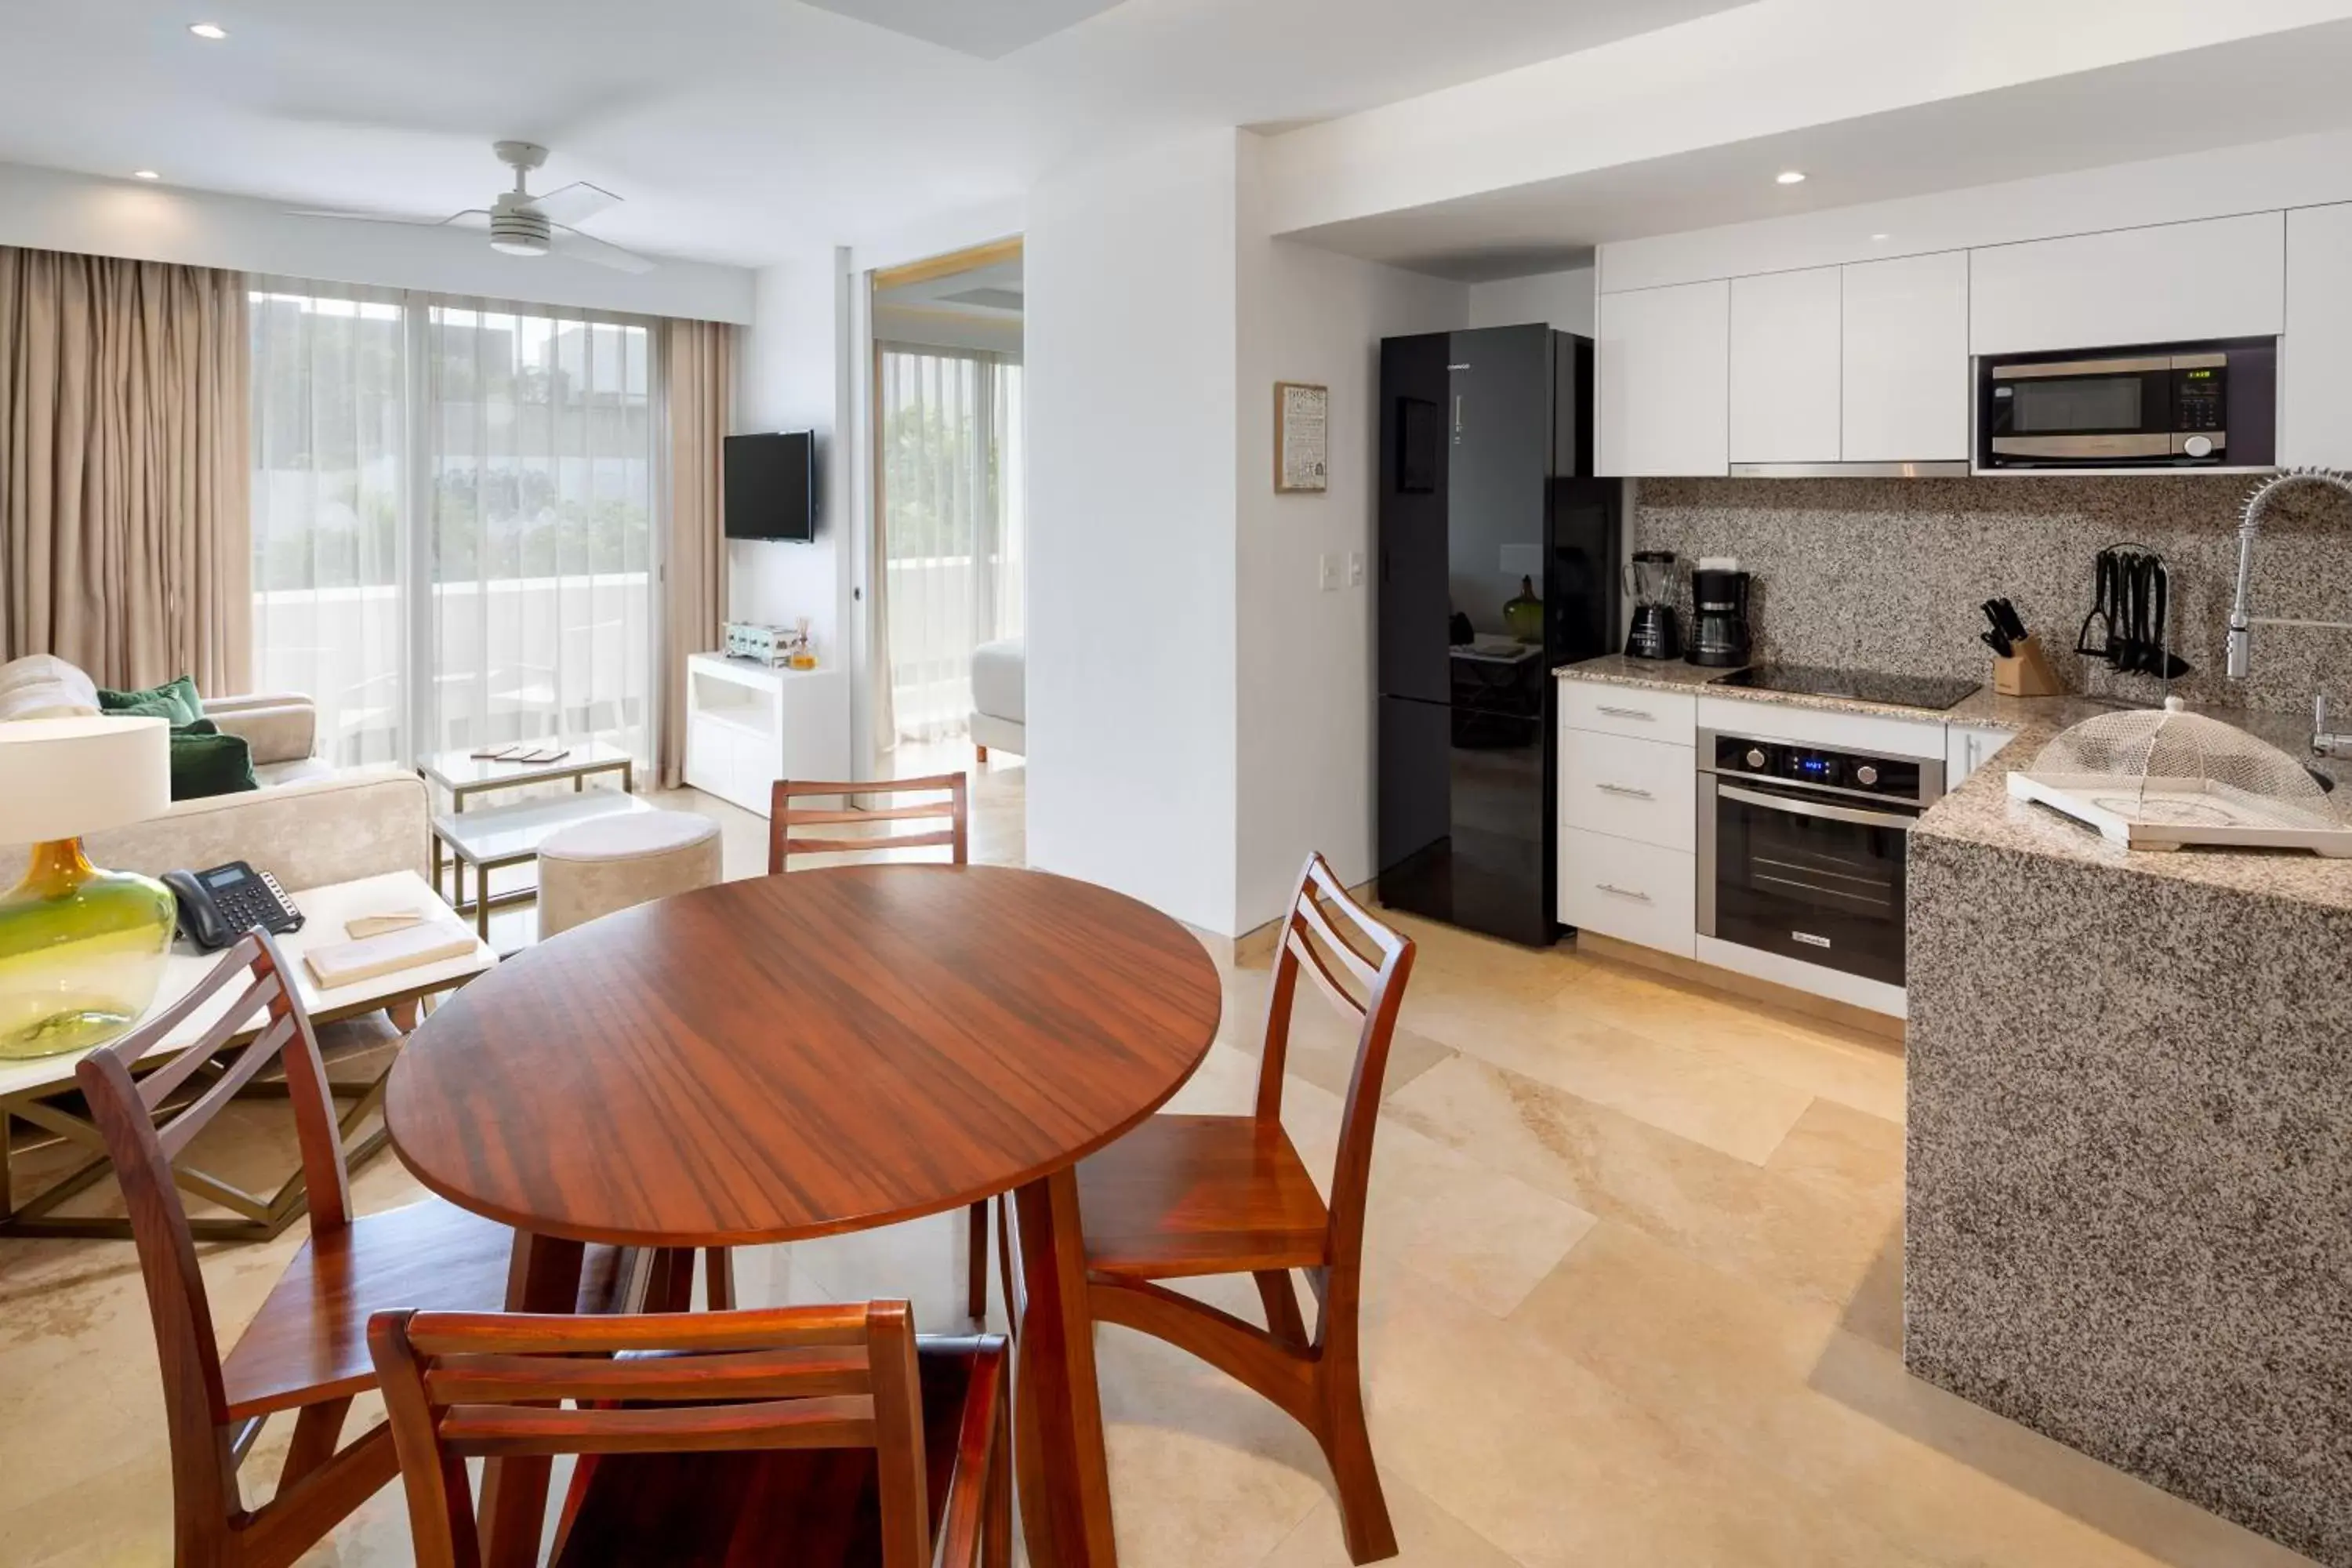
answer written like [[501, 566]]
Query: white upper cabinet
[[2314, 386], [2223, 278], [1662, 381], [1784, 367], [1906, 360]]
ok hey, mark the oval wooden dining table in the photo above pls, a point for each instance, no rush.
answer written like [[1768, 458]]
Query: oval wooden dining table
[[799, 1056]]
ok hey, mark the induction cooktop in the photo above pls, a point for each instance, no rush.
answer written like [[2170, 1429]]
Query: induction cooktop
[[1932, 692]]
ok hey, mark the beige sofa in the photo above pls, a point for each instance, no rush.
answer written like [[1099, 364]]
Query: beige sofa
[[310, 823]]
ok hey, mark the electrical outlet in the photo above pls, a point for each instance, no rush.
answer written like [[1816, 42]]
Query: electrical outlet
[[1355, 569], [1330, 572]]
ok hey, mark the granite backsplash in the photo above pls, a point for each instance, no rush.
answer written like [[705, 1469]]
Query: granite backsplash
[[1887, 574]]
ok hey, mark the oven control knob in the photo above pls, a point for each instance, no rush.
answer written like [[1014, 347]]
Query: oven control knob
[[1756, 759], [2198, 446], [1865, 775]]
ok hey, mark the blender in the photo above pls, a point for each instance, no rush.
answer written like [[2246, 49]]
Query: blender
[[1650, 583]]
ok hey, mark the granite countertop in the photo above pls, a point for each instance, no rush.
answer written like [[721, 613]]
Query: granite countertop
[[1981, 812]]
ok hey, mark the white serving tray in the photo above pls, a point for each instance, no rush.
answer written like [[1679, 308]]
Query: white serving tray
[[2173, 814]]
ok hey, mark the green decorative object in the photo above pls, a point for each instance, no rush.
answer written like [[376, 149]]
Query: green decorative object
[[204, 761], [1524, 614], [175, 702], [81, 949]]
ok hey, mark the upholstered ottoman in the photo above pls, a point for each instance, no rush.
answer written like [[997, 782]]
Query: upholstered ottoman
[[610, 863]]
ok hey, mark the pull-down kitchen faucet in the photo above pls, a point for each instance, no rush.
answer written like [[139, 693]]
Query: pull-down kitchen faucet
[[2242, 621]]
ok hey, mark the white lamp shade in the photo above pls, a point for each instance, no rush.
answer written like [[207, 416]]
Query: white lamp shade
[[60, 778]]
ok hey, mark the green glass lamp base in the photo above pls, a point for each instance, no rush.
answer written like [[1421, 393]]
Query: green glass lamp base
[[82, 953]]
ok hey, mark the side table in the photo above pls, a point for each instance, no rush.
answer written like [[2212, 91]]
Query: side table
[[42, 1092]]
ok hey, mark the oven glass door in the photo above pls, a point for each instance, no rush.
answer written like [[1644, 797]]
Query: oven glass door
[[1811, 879]]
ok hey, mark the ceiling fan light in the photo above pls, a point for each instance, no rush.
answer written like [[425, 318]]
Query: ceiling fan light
[[520, 245]]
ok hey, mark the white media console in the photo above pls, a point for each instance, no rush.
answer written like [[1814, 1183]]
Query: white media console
[[749, 725]]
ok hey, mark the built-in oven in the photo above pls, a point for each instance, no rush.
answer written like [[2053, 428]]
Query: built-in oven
[[2173, 406], [1802, 849]]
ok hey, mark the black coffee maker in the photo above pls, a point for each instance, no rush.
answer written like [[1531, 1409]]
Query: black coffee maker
[[1650, 583], [1719, 615]]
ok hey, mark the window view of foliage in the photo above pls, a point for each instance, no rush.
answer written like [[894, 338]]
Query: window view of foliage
[[501, 461]]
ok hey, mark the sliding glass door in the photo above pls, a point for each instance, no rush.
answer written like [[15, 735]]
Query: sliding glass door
[[540, 451], [951, 527], [453, 521], [330, 489]]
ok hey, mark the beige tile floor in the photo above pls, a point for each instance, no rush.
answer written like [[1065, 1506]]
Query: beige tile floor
[[1633, 1299]]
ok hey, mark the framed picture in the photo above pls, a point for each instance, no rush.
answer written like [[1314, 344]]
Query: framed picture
[[1302, 438]]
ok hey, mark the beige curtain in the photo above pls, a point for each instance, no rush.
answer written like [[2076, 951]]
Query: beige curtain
[[700, 391], [125, 462]]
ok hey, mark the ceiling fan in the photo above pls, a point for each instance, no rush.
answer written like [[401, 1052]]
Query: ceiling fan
[[521, 224]]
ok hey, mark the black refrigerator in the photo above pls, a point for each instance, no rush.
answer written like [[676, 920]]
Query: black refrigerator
[[1487, 501]]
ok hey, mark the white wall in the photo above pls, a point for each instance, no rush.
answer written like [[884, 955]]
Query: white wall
[[1130, 278], [48, 209], [788, 377], [947, 329], [1562, 298], [1305, 699], [940, 234]]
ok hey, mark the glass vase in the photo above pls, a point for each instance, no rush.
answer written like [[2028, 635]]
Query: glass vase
[[82, 953]]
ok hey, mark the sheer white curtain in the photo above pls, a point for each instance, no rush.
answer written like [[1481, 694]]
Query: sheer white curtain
[[541, 455], [329, 444], [453, 508], [952, 529]]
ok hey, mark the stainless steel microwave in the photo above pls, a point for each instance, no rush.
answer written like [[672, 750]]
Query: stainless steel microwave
[[2172, 406]]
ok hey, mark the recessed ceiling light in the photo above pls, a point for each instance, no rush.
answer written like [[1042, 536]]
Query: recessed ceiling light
[[145, 174], [211, 31], [1882, 237], [1792, 177]]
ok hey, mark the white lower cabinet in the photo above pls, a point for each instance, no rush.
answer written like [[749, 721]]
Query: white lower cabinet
[[1642, 790], [1634, 893], [1967, 748]]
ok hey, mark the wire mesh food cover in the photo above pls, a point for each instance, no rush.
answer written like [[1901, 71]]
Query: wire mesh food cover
[[2173, 766]]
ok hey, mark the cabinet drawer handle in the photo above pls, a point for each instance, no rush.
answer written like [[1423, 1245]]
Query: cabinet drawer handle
[[1643, 714], [1626, 790], [1624, 893]]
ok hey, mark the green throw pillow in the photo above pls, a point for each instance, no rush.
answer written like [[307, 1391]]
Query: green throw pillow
[[206, 763], [174, 700]]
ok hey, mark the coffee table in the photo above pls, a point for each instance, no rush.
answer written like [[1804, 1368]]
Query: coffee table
[[42, 1092], [462, 773], [501, 836]]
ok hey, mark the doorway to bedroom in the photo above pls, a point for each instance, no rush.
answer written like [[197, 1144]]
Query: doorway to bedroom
[[948, 553]]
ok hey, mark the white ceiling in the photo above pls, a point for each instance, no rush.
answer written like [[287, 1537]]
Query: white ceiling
[[989, 31], [2256, 90], [738, 130], [990, 292]]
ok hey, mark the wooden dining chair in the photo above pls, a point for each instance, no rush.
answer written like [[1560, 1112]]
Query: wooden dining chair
[[306, 1350], [821, 1436], [820, 830], [1183, 1196]]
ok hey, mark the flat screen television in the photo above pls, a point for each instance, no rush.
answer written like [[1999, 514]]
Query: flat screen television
[[772, 486]]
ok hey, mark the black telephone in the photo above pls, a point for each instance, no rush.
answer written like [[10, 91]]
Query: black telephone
[[219, 906]]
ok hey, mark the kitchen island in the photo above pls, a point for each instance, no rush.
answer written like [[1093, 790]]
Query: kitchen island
[[2128, 1170], [2129, 1176]]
